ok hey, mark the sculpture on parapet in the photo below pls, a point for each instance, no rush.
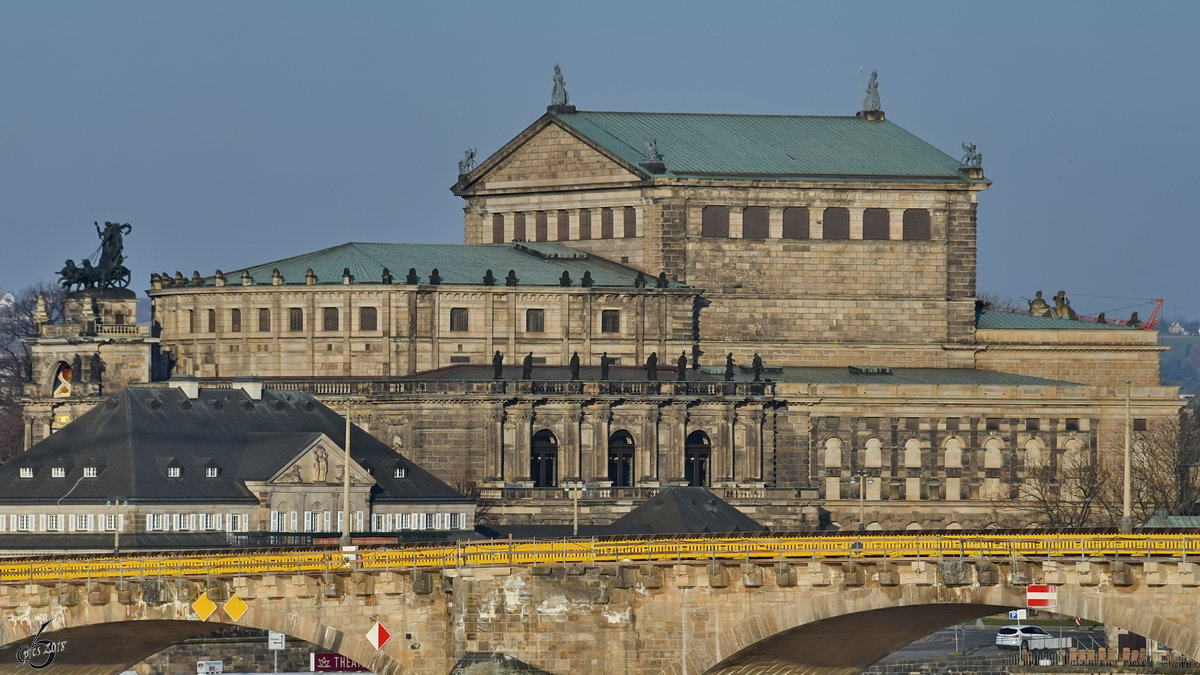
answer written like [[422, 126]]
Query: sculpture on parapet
[[511, 279], [757, 366], [1134, 321], [1062, 307], [1039, 307], [527, 366], [871, 102], [729, 367], [652, 366], [604, 363], [104, 268], [652, 153], [559, 96], [489, 279], [971, 157], [575, 366], [681, 367], [467, 163], [497, 365]]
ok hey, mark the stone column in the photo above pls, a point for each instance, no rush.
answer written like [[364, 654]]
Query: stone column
[[775, 222], [856, 223], [671, 464], [572, 423], [516, 456], [646, 454], [748, 428], [597, 452], [493, 464]]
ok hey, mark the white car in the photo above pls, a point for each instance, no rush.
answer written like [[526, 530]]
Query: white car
[[1018, 637]]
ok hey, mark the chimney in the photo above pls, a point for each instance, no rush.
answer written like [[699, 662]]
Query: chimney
[[188, 384], [252, 386]]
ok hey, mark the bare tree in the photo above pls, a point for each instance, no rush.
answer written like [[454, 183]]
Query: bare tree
[[17, 322], [1068, 494]]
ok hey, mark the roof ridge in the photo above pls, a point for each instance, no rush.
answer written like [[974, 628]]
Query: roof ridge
[[707, 114]]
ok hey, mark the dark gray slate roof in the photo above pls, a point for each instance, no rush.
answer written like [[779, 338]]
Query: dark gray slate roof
[[684, 510], [135, 437]]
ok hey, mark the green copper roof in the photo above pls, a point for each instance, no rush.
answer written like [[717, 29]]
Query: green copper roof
[[990, 318], [535, 263], [778, 146]]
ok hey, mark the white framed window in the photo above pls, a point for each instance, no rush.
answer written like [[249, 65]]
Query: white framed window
[[174, 472], [378, 522], [109, 522], [295, 521], [328, 521], [3, 523], [85, 522], [211, 472], [24, 523], [359, 521], [155, 522], [455, 521], [90, 472], [54, 522], [399, 472], [308, 521], [274, 520], [26, 472], [58, 472]]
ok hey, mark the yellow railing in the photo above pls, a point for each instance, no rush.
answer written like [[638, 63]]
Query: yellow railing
[[501, 552]]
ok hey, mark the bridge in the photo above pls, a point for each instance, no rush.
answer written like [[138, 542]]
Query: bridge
[[819, 604]]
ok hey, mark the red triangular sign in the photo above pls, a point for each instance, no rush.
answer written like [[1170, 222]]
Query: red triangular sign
[[378, 635]]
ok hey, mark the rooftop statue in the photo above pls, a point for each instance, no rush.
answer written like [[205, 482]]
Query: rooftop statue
[[467, 163], [971, 157], [871, 102], [559, 97], [1062, 307], [1039, 307], [652, 153], [104, 268]]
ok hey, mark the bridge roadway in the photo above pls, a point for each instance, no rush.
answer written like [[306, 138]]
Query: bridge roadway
[[823, 604]]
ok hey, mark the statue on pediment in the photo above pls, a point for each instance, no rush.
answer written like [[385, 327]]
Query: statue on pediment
[[1039, 307], [321, 465], [292, 475], [467, 163], [871, 102], [559, 96]]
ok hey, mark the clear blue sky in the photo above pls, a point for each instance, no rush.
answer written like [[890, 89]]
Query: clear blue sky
[[235, 133]]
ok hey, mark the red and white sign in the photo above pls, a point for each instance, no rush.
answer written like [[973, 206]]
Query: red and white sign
[[378, 635], [1041, 596]]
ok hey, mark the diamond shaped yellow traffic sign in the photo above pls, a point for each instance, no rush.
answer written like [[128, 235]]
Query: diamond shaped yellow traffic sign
[[235, 607], [204, 607]]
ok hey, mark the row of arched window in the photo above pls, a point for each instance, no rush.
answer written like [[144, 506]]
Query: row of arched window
[[543, 459]]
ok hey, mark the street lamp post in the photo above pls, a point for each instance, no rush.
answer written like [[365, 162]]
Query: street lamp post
[[575, 492], [862, 478], [117, 504]]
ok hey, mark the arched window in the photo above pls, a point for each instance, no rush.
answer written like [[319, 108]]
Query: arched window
[[697, 453], [991, 454], [874, 453], [543, 459], [64, 379], [833, 452], [1033, 456], [620, 459], [953, 454], [876, 224], [912, 454], [835, 223], [916, 224]]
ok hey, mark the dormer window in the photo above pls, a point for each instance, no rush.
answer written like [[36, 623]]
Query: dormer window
[[211, 472], [58, 472], [399, 472], [90, 472], [26, 472], [174, 472]]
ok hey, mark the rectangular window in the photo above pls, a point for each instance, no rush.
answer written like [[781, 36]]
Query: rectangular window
[[714, 221], [993, 424], [630, 222], [211, 472], [876, 225], [295, 319], [155, 522], [25, 523], [264, 320], [795, 222], [519, 226], [1139, 424], [26, 472], [84, 522], [378, 522], [458, 319], [235, 320], [174, 472], [399, 472], [535, 321], [90, 472], [208, 521], [329, 318], [835, 223], [108, 522], [58, 472], [539, 226], [497, 228], [755, 222], [1033, 424], [564, 226], [1072, 424], [191, 321], [212, 320], [606, 225], [585, 222], [368, 318], [54, 523], [610, 321]]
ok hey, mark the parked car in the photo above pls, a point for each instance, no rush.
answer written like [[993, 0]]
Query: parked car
[[1018, 637]]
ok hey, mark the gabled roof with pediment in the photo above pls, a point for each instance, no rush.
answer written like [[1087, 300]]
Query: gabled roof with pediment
[[136, 437], [738, 146]]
